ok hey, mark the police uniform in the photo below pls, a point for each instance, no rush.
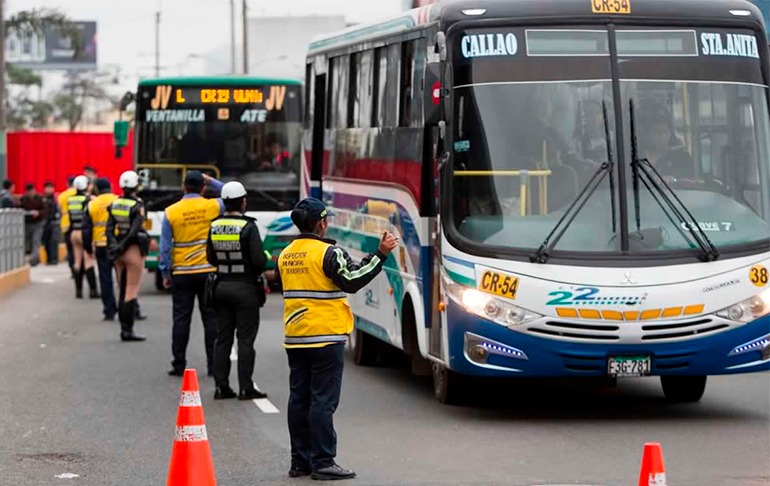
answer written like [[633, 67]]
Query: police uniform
[[95, 236], [234, 248], [183, 257], [65, 224], [316, 276], [125, 227], [76, 211]]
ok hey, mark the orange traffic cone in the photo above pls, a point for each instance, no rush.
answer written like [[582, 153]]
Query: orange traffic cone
[[191, 463], [653, 471]]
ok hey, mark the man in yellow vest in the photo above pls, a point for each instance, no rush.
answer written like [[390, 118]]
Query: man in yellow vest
[[316, 276], [65, 221], [184, 266], [95, 241]]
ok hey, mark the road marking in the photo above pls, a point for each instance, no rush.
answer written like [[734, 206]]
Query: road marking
[[67, 476], [233, 354], [265, 405]]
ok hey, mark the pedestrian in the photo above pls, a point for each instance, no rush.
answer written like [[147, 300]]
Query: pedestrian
[[95, 242], [316, 274], [128, 247], [83, 261], [51, 228], [65, 222], [35, 217], [6, 195], [234, 248], [182, 262]]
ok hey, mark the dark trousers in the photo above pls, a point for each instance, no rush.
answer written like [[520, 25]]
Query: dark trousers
[[51, 242], [109, 308], [184, 290], [237, 315], [33, 236], [315, 382]]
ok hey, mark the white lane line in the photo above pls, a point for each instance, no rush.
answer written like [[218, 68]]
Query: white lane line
[[234, 354], [265, 405]]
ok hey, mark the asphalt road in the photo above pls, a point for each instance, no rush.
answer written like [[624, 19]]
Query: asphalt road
[[74, 400]]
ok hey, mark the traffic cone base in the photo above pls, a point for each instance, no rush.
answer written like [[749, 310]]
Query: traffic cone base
[[653, 471], [191, 463]]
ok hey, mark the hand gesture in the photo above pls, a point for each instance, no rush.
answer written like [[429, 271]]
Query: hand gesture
[[388, 243], [166, 283]]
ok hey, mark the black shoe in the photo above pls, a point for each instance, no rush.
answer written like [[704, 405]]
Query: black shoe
[[78, 294], [332, 473], [140, 317], [131, 336], [224, 393], [109, 319], [176, 372], [94, 295], [298, 472], [251, 394]]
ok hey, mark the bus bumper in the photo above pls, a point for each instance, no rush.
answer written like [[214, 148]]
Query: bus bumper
[[509, 353]]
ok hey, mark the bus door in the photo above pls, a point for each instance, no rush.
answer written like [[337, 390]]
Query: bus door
[[319, 131]]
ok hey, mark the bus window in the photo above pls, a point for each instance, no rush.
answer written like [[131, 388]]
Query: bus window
[[380, 81], [407, 65], [354, 105], [309, 95], [329, 94], [391, 98], [363, 100], [418, 80], [340, 93]]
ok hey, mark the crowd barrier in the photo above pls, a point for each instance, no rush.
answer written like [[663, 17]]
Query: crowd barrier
[[14, 271]]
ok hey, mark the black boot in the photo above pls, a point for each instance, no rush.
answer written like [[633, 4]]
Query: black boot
[[91, 276], [127, 313], [79, 284]]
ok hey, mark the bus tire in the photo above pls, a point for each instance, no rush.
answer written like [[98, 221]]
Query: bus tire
[[448, 386], [419, 365], [365, 348], [683, 389], [159, 281]]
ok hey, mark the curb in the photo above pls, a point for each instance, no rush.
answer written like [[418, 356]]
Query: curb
[[14, 280]]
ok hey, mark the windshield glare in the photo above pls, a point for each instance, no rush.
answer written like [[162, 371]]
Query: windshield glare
[[525, 148]]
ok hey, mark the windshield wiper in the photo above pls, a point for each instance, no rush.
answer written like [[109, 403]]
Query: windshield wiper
[[642, 170], [544, 252]]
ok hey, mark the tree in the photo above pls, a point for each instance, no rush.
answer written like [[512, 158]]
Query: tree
[[80, 89], [25, 112]]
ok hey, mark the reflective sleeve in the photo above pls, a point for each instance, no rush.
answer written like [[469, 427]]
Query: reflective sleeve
[[164, 258], [349, 275]]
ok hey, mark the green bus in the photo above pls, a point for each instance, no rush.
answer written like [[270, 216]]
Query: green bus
[[234, 128]]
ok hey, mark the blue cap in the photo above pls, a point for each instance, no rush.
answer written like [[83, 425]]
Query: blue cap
[[103, 184], [308, 212], [194, 178]]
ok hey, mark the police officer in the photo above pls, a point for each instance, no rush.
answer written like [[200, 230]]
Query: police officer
[[128, 247], [65, 221], [316, 275], [83, 261], [234, 248], [95, 242], [184, 265]]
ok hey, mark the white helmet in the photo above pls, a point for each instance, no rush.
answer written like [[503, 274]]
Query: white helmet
[[80, 183], [129, 180], [233, 190]]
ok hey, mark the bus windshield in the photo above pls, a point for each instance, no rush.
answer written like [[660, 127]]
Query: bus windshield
[[249, 133], [530, 133]]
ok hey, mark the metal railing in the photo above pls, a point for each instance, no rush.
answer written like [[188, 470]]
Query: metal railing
[[11, 239]]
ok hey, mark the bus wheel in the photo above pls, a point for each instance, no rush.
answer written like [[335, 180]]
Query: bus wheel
[[159, 281], [683, 389], [365, 348], [448, 386]]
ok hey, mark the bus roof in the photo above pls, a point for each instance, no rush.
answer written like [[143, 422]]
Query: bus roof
[[448, 12], [218, 80]]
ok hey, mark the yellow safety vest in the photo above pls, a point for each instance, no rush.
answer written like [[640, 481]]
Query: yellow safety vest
[[190, 220], [121, 213], [65, 215], [97, 210], [76, 206], [316, 312]]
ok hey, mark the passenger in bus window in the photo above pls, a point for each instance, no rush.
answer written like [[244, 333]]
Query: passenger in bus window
[[661, 146]]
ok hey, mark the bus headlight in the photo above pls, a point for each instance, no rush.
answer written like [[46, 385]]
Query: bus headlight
[[746, 311], [486, 305]]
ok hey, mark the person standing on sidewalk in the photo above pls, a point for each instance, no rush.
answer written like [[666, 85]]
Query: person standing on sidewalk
[[36, 215], [95, 242], [51, 228], [182, 261], [316, 276], [234, 248]]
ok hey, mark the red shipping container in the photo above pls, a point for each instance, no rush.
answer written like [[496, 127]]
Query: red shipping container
[[38, 157]]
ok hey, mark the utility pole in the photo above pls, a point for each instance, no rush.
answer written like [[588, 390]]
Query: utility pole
[[3, 115], [245, 40], [232, 37], [157, 44]]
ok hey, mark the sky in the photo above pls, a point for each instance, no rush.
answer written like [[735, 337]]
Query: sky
[[126, 28]]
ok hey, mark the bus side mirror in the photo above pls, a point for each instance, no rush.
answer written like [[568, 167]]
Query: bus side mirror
[[434, 94], [120, 133]]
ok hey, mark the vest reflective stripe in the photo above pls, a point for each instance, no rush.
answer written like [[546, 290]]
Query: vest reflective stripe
[[64, 204], [76, 209], [121, 212], [226, 239], [190, 220], [316, 312], [97, 209], [309, 294]]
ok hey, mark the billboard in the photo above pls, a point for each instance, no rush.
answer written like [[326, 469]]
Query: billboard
[[51, 49]]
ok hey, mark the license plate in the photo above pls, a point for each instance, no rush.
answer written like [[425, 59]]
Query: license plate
[[611, 6], [148, 224], [499, 284], [629, 365]]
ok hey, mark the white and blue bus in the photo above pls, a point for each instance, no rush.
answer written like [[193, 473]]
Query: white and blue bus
[[582, 187]]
